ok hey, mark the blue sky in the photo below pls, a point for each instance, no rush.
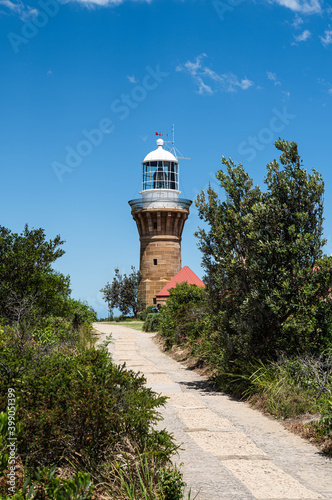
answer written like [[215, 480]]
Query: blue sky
[[86, 84]]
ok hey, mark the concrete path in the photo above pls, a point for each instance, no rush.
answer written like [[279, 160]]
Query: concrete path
[[229, 450]]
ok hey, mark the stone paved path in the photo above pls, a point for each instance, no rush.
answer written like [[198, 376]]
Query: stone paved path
[[229, 450]]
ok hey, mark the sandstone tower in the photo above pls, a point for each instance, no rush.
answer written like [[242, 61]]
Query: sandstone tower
[[160, 216]]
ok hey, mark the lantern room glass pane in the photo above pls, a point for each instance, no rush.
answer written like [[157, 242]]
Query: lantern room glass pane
[[160, 175]]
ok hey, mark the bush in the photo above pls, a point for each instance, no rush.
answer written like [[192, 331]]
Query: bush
[[86, 405], [151, 324], [43, 485], [81, 313], [77, 407], [181, 318], [171, 484], [122, 318], [143, 314]]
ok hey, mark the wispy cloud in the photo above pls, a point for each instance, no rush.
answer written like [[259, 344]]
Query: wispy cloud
[[132, 79], [209, 81], [302, 37], [102, 3], [325, 84], [302, 6], [298, 21], [273, 77], [18, 8], [327, 38]]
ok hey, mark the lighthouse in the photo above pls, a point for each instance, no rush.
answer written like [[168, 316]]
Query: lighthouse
[[160, 215]]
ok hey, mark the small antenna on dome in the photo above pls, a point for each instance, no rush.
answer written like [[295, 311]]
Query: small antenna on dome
[[170, 146]]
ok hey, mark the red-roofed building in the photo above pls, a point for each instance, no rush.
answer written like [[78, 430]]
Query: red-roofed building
[[185, 274]]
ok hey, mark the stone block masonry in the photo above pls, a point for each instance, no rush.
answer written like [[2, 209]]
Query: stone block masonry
[[160, 231]]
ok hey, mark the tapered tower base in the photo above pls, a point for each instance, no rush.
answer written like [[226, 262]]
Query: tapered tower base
[[160, 232]]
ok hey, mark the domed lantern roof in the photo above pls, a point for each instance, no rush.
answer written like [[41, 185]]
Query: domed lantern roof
[[160, 154]]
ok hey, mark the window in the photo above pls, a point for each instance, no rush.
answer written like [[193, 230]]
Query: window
[[160, 175], [155, 300], [155, 225], [155, 262]]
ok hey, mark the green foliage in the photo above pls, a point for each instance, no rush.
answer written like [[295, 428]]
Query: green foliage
[[280, 387], [86, 404], [122, 318], [3, 442], [171, 484], [76, 406], [181, 317], [135, 479], [148, 310], [80, 313], [123, 292], [43, 485], [90, 412], [29, 287], [262, 255], [324, 426], [151, 323], [143, 479], [78, 488]]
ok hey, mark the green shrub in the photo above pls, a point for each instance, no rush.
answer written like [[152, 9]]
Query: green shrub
[[86, 405], [148, 310], [43, 485], [181, 317], [122, 318], [151, 324], [171, 484], [141, 478], [324, 426], [77, 407]]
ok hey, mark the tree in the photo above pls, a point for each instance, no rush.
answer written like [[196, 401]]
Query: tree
[[123, 292], [262, 255], [29, 286]]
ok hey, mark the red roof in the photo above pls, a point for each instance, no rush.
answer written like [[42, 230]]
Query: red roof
[[185, 274]]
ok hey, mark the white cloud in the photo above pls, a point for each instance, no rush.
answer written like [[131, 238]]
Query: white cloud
[[302, 6], [298, 21], [101, 3], [208, 81], [273, 77], [327, 38], [325, 84], [132, 79], [23, 11], [203, 88], [302, 37]]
